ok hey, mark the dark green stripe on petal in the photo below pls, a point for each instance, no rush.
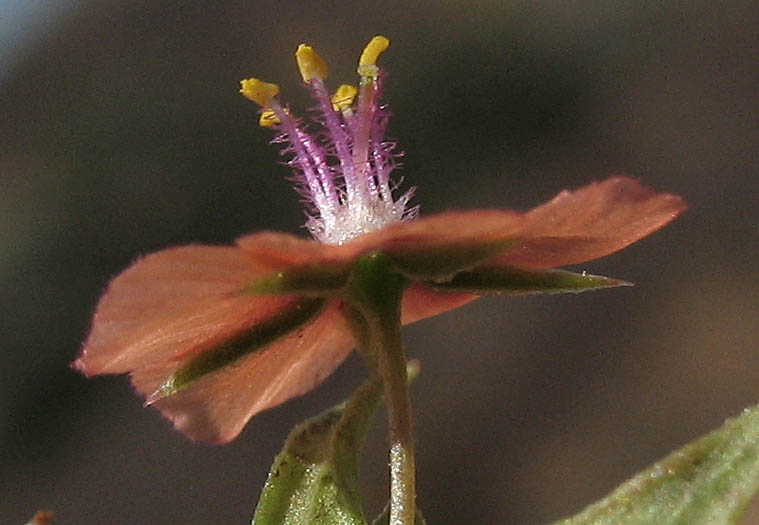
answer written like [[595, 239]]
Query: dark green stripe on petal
[[440, 262], [504, 280], [252, 340], [306, 281]]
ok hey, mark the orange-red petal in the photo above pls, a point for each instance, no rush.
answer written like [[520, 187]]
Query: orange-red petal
[[217, 406], [420, 302], [574, 227], [283, 250], [172, 304], [444, 230], [450, 228], [594, 221]]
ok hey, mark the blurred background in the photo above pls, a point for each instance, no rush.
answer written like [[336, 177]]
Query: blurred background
[[122, 132]]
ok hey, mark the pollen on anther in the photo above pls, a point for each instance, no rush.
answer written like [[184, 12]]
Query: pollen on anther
[[258, 91], [268, 118], [372, 51], [343, 97], [310, 64]]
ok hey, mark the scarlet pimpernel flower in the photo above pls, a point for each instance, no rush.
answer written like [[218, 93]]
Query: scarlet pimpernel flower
[[211, 335]]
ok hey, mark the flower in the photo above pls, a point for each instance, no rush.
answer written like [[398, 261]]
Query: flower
[[211, 335]]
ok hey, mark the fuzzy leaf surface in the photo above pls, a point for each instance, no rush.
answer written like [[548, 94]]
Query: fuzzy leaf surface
[[315, 478], [710, 480]]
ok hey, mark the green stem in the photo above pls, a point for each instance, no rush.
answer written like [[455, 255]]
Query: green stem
[[375, 290], [402, 470]]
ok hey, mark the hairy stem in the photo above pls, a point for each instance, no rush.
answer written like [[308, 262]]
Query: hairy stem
[[402, 470], [375, 290]]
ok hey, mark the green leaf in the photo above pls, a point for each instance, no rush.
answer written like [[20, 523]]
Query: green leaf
[[314, 480], [384, 518], [505, 280], [710, 480]]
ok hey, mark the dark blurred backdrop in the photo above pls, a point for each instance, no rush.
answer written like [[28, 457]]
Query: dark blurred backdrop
[[122, 132]]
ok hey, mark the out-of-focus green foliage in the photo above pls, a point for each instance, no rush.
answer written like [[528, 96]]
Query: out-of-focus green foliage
[[710, 480]]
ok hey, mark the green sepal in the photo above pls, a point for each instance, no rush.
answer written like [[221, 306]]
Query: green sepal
[[710, 480], [305, 281], [252, 340], [441, 262], [315, 478], [384, 518], [375, 285], [507, 280]]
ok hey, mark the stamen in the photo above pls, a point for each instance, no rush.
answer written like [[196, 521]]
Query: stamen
[[343, 97], [307, 156], [369, 72], [338, 136], [313, 69], [310, 64], [372, 51], [268, 118], [343, 170], [258, 91]]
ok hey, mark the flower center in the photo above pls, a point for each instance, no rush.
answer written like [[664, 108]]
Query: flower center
[[343, 168]]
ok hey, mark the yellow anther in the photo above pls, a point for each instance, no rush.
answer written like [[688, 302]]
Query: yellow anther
[[311, 65], [373, 50], [343, 97], [268, 118], [258, 91]]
